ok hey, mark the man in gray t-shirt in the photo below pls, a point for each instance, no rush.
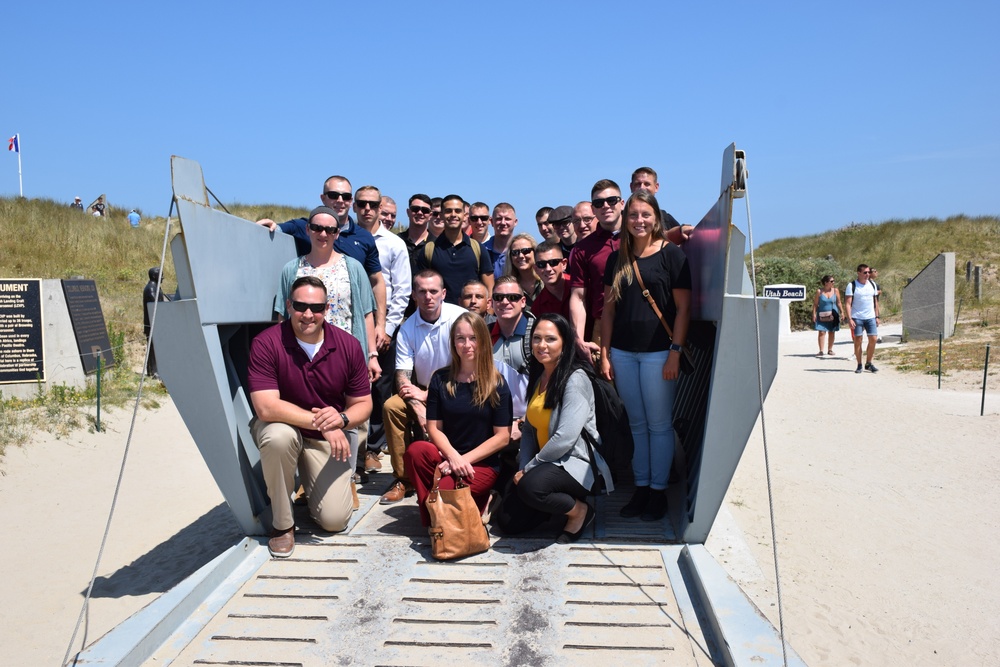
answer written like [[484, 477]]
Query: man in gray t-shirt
[[863, 314]]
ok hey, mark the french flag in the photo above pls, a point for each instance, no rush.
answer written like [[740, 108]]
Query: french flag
[[13, 144]]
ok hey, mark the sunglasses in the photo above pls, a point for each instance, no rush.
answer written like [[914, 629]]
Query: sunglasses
[[521, 251], [343, 196], [301, 307], [364, 203], [610, 201], [332, 231], [479, 218], [865, 273], [546, 263], [560, 223], [426, 210], [507, 297]]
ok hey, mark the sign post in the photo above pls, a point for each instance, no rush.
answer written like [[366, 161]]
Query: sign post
[[785, 295]]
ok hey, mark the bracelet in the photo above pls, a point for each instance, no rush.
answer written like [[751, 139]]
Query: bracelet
[[372, 355], [343, 415]]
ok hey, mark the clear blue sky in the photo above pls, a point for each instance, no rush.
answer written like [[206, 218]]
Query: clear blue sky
[[856, 111]]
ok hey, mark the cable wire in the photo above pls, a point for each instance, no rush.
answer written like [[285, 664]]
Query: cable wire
[[85, 610], [763, 426]]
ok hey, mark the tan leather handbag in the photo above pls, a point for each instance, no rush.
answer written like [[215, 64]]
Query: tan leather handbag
[[457, 528]]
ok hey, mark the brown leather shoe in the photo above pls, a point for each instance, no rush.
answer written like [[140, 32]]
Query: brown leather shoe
[[282, 544], [354, 497], [372, 464], [396, 492]]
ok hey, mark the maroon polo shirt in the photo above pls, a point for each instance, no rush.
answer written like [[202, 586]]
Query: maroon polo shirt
[[586, 269], [546, 302], [338, 370]]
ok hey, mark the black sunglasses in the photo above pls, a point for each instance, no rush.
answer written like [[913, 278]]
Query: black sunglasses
[[345, 196], [546, 263], [479, 218], [332, 231], [420, 209], [364, 203], [610, 201], [507, 297], [301, 307], [522, 251]]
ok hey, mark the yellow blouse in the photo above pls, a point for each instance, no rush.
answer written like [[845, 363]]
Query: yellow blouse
[[539, 416]]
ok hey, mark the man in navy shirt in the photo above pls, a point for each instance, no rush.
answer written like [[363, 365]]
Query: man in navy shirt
[[454, 256], [353, 241]]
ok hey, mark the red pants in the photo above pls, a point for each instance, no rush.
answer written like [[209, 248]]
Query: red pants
[[422, 457]]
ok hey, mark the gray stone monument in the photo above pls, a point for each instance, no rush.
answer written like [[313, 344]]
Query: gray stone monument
[[929, 300]]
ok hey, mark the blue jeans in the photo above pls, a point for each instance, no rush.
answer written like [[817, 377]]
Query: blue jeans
[[649, 400]]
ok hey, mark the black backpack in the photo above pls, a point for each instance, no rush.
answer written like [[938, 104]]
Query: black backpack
[[616, 445]]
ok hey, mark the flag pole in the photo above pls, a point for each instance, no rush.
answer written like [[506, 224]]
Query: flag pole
[[20, 184]]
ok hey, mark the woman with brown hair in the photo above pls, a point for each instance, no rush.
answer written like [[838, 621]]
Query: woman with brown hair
[[468, 418], [647, 298], [827, 308]]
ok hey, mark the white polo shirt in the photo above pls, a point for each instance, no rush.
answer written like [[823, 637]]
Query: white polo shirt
[[423, 347], [395, 261]]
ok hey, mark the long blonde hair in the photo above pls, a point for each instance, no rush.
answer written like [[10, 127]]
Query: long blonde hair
[[487, 375], [623, 263], [508, 267]]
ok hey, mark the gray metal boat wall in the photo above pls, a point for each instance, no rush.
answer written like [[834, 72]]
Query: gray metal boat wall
[[227, 272]]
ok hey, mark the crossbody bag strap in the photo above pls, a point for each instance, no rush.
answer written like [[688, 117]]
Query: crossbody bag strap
[[650, 300]]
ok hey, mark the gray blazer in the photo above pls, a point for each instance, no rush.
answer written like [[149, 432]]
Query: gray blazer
[[566, 447]]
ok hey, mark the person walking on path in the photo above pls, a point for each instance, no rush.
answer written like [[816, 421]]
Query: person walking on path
[[863, 315], [827, 308]]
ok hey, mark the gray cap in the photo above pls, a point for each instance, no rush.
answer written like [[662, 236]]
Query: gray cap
[[560, 214]]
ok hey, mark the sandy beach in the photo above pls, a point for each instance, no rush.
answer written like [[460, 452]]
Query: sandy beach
[[884, 494]]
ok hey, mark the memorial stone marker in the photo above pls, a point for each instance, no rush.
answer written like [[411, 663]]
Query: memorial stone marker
[[88, 323], [21, 353]]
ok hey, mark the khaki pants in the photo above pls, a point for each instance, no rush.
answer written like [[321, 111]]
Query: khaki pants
[[396, 416], [327, 482]]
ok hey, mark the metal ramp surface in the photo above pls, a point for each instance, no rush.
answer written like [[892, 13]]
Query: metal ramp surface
[[380, 599]]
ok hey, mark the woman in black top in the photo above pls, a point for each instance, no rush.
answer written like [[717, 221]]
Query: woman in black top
[[469, 415], [637, 353]]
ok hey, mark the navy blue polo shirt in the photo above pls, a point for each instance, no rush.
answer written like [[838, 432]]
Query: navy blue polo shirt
[[456, 264], [353, 241]]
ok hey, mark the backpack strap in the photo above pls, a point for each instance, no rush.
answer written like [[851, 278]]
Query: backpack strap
[[476, 250]]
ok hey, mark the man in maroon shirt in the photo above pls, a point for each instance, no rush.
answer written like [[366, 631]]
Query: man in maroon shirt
[[587, 262], [550, 265], [309, 387]]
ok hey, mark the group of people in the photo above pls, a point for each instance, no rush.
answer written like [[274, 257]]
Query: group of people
[[474, 353], [862, 313]]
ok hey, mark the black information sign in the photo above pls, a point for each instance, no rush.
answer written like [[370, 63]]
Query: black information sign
[[21, 354], [88, 323]]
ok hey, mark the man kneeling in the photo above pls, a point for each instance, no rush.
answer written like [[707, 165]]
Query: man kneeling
[[309, 387]]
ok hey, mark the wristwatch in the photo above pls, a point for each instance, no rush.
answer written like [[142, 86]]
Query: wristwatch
[[674, 347], [343, 415]]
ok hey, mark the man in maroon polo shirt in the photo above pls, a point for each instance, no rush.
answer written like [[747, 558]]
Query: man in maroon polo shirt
[[587, 262], [550, 265], [309, 387]]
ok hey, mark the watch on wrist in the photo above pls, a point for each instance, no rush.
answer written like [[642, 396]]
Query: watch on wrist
[[674, 347], [343, 415]]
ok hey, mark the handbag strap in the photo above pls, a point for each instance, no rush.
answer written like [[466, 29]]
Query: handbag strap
[[650, 300], [435, 487]]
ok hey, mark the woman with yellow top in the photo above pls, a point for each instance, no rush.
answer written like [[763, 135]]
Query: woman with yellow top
[[556, 473]]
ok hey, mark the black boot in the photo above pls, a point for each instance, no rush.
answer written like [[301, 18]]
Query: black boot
[[656, 509], [637, 504]]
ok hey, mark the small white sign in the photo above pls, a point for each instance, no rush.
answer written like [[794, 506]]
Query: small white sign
[[786, 292]]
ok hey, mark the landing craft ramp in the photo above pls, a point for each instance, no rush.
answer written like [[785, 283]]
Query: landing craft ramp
[[646, 592]]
